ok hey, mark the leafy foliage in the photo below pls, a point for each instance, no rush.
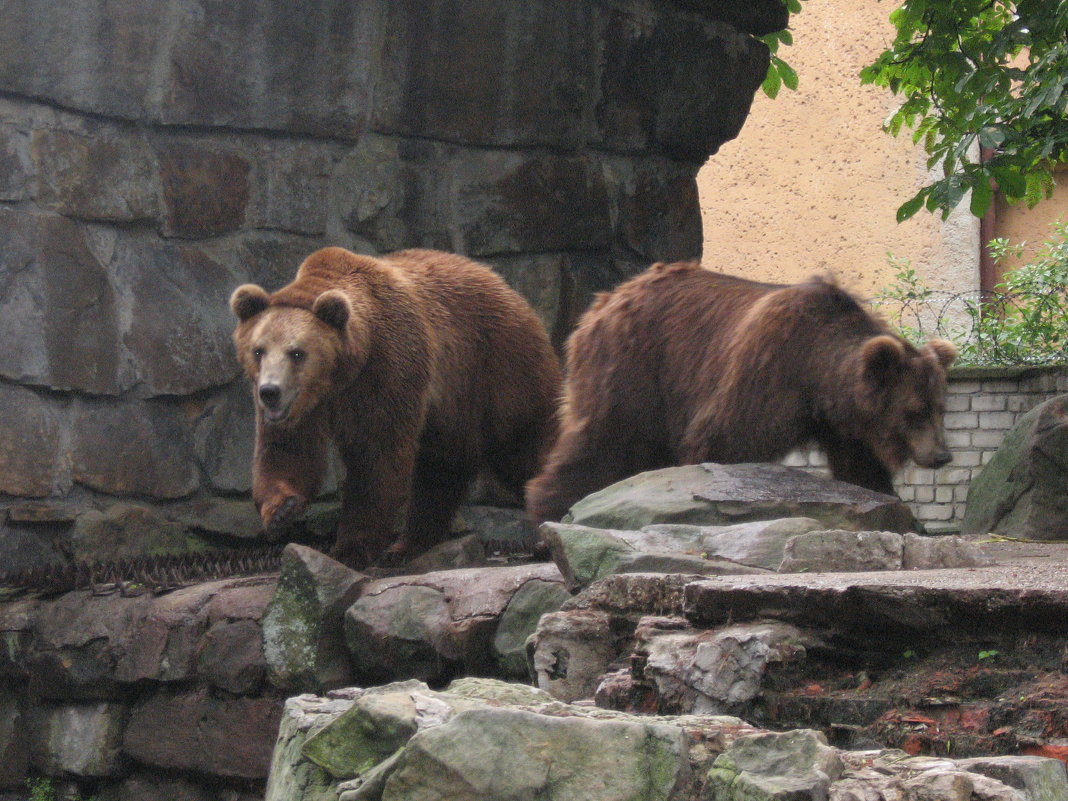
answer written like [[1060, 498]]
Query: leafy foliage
[[1023, 321], [779, 72], [977, 74]]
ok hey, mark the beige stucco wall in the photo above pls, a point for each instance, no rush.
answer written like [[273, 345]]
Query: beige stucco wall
[[812, 184], [1031, 227]]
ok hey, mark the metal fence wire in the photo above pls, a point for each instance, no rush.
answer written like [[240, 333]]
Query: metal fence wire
[[1026, 326]]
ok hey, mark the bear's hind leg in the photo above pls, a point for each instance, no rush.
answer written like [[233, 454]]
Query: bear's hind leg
[[438, 489], [578, 465]]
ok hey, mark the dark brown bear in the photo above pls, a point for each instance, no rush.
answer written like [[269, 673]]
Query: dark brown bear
[[681, 365], [422, 367]]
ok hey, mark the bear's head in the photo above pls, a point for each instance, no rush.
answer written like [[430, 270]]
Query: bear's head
[[291, 353], [903, 390]]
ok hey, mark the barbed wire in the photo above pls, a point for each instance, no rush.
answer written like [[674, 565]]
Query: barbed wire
[[1027, 326]]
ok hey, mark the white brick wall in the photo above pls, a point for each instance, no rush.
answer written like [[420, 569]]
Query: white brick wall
[[982, 405]]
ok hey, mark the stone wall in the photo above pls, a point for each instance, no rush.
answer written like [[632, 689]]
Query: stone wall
[[155, 154], [982, 405]]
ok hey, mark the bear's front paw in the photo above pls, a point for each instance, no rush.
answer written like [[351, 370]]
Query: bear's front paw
[[279, 516]]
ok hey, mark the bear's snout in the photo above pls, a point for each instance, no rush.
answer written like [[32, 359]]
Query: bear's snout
[[270, 395], [941, 459]]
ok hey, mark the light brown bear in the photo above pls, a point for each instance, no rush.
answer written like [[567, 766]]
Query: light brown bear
[[682, 365], [422, 367]]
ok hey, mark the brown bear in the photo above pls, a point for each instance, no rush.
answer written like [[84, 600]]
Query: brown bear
[[424, 368], [682, 365]]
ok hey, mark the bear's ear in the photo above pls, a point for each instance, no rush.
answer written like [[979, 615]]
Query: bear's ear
[[943, 350], [333, 308], [249, 300], [882, 358]]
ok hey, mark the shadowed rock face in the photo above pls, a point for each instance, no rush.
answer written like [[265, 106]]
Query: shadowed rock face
[[1024, 489], [155, 155]]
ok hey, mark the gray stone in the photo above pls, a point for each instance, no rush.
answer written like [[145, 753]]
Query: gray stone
[[379, 722], [939, 785], [427, 626], [1023, 491], [396, 193], [221, 516], [498, 693], [574, 759], [14, 751], [124, 531], [178, 334], [654, 208], [245, 65], [713, 672], [1038, 778], [30, 441], [133, 448], [570, 651], [292, 777], [584, 752], [52, 283], [16, 165], [445, 91], [511, 203], [99, 174], [520, 619], [401, 632], [290, 188], [231, 657], [459, 552], [540, 279], [82, 740], [842, 552], [28, 547], [586, 554], [792, 766], [714, 494], [758, 544], [302, 627], [930, 553]]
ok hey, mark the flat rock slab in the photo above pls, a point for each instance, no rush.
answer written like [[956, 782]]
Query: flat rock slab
[[717, 495], [1011, 597]]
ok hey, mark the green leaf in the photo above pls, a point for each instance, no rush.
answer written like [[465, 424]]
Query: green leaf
[[982, 196], [788, 75], [772, 82], [909, 207]]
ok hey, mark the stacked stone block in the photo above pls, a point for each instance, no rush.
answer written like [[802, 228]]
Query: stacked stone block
[[982, 406], [154, 155]]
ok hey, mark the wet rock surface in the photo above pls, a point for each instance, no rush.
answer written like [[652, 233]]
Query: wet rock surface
[[714, 494]]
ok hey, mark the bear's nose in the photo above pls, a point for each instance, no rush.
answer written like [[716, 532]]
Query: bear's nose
[[270, 394], [942, 459]]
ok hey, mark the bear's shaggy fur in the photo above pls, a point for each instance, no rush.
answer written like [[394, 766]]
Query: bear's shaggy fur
[[682, 365], [422, 367]]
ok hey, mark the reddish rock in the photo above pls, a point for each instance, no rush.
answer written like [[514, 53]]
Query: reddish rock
[[205, 191], [199, 732], [133, 447], [231, 657]]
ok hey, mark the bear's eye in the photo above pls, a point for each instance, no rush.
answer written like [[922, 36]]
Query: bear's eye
[[297, 355], [257, 353]]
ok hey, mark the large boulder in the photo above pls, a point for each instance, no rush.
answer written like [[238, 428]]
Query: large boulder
[[302, 626], [1023, 491], [717, 495], [487, 741], [431, 626], [585, 554]]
